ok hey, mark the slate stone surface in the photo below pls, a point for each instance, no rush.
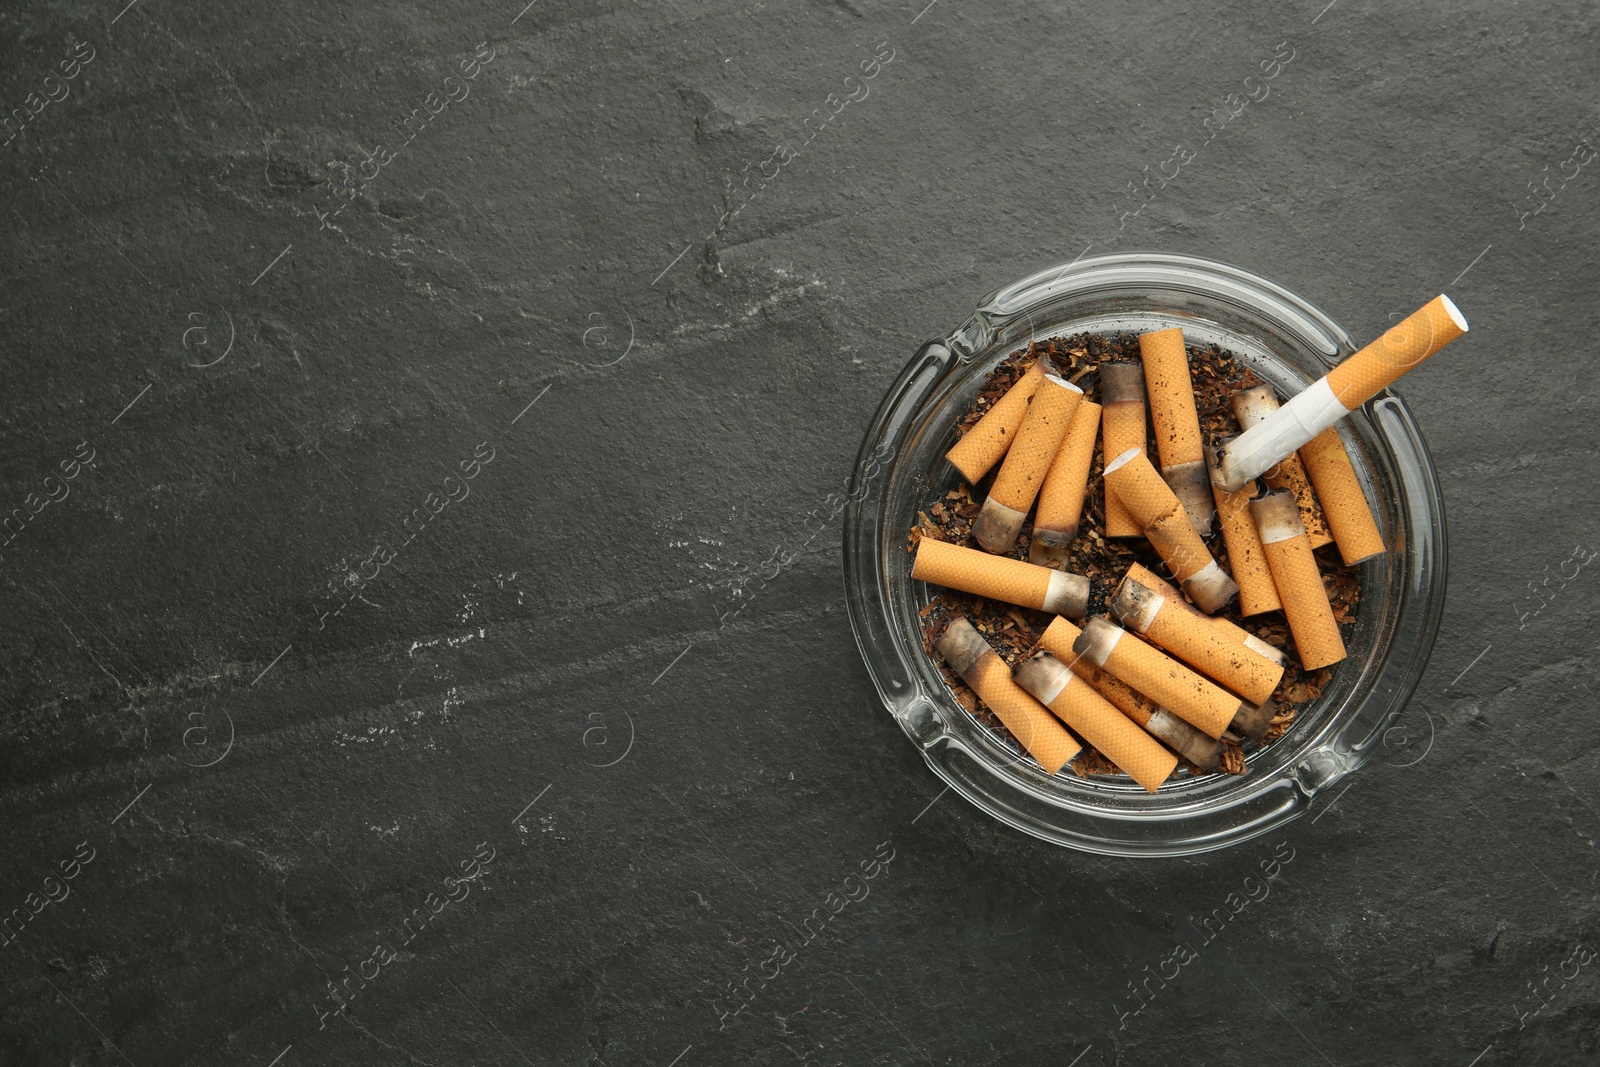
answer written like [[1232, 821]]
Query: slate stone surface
[[462, 310]]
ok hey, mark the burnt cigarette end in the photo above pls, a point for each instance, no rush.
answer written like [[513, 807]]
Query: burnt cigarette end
[[1044, 676], [1099, 637], [1252, 720], [1210, 588], [1202, 751], [997, 526], [1192, 486], [1135, 605], [1059, 538], [1121, 382], [962, 646], [1067, 594]]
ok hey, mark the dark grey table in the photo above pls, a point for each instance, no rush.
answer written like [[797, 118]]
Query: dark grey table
[[415, 649]]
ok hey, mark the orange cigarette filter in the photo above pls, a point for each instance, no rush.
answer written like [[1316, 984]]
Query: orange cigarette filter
[[983, 445], [1418, 336], [981, 667], [1055, 523], [1355, 531], [1254, 406], [1202, 751], [1203, 704], [1121, 428], [1202, 646], [1152, 503], [1257, 593], [1177, 423], [1001, 578], [1235, 633], [1022, 472], [1294, 569], [1076, 703]]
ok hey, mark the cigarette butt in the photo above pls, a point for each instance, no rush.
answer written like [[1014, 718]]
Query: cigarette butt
[[981, 667], [1346, 387], [1027, 461], [1202, 646], [1121, 428], [1001, 578], [1157, 509], [1095, 720], [1253, 407], [1328, 464], [981, 447], [1202, 751], [1055, 523], [1201, 703], [1418, 336], [1257, 593], [1177, 423], [1294, 570], [1236, 633]]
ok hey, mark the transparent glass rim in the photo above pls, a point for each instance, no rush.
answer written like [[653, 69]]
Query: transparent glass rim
[[1286, 340]]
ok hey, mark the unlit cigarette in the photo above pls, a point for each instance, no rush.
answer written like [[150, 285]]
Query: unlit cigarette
[[1154, 506], [1254, 406], [1257, 593], [1236, 633], [1177, 423], [1096, 721], [1345, 388], [1158, 676], [1029, 458], [1294, 570], [981, 667], [1055, 523], [1343, 501], [981, 447], [1001, 578], [1202, 751], [1121, 428], [1202, 646]]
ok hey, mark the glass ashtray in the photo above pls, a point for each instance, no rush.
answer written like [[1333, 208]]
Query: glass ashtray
[[901, 468]]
